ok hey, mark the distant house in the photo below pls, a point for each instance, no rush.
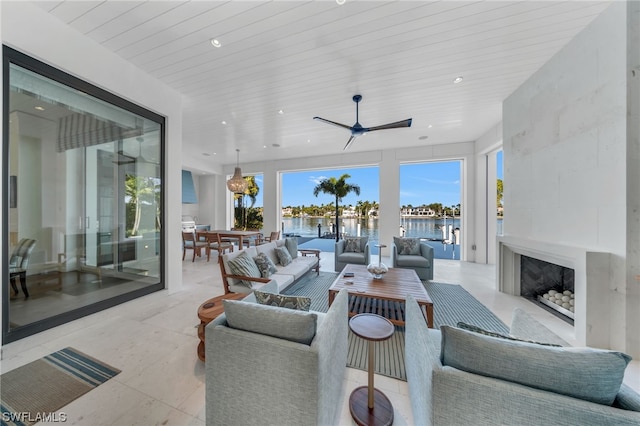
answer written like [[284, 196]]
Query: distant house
[[422, 211], [349, 212], [287, 211]]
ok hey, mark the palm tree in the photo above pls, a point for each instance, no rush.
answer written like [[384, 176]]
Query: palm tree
[[339, 188]]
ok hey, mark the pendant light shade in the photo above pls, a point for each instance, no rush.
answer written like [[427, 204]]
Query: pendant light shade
[[237, 184]]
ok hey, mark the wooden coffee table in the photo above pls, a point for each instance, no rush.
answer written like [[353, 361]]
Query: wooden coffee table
[[210, 310], [385, 297]]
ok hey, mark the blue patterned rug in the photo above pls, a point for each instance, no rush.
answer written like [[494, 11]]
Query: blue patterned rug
[[451, 304], [36, 390]]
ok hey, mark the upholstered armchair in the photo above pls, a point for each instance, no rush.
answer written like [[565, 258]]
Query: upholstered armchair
[[353, 250], [412, 254]]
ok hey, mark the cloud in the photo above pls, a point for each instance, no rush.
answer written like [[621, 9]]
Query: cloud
[[438, 182], [316, 179]]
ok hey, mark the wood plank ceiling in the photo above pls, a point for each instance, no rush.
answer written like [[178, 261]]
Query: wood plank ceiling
[[308, 58]]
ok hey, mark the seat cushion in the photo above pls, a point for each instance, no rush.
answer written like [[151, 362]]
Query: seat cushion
[[412, 261], [586, 373], [288, 324], [349, 257]]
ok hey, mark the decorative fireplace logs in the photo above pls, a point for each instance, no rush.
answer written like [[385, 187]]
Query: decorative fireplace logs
[[564, 299]]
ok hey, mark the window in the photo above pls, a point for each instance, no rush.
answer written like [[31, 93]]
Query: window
[[83, 223]]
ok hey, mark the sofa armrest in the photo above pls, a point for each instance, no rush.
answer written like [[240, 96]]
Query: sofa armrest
[[367, 253], [339, 249], [459, 397], [394, 255], [245, 278], [422, 358], [332, 343]]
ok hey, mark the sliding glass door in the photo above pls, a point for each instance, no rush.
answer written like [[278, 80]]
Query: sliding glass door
[[83, 191]]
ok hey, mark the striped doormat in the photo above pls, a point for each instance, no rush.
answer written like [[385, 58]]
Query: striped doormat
[[35, 391], [451, 304]]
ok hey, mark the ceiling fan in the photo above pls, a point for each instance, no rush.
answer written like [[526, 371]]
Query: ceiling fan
[[358, 130]]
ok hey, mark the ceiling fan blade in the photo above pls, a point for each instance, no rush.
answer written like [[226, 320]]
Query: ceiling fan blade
[[349, 142], [332, 122], [396, 125]]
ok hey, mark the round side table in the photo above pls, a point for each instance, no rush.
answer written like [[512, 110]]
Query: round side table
[[368, 405]]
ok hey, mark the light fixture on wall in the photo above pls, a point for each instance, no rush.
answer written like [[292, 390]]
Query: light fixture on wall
[[237, 184]]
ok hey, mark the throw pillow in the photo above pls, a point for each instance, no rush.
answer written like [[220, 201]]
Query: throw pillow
[[265, 265], [288, 324], [292, 245], [407, 245], [299, 303], [484, 332], [352, 245], [284, 258], [244, 265], [586, 373]]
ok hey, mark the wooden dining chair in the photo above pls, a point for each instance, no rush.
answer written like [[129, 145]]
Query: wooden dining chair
[[216, 243], [189, 242], [273, 237]]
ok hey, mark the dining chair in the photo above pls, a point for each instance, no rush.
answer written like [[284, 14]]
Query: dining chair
[[273, 237], [216, 243], [18, 264], [189, 242]]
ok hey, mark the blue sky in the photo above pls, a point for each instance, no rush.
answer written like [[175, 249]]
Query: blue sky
[[423, 183]]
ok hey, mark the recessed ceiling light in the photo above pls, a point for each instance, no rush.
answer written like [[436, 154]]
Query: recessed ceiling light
[[308, 140], [223, 122], [423, 138], [457, 80], [430, 126], [215, 42], [39, 108], [264, 146], [280, 112], [341, 2]]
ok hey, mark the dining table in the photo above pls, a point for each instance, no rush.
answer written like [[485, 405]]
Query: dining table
[[236, 235]]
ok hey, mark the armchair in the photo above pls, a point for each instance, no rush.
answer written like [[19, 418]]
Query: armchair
[[412, 254], [353, 250]]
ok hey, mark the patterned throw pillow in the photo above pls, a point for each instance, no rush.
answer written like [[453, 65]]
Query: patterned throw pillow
[[244, 265], [479, 330], [265, 265], [284, 258], [299, 303], [352, 245], [407, 245]]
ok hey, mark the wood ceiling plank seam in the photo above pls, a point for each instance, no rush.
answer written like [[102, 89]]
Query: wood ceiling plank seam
[[236, 46], [127, 22], [163, 23], [68, 11], [327, 78], [47, 6], [102, 14], [246, 67], [196, 27]]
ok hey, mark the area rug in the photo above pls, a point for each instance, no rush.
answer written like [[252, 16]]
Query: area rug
[[451, 302], [35, 391]]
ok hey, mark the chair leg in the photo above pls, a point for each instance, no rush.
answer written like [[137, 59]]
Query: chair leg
[[12, 280], [184, 252], [194, 255], [23, 284]]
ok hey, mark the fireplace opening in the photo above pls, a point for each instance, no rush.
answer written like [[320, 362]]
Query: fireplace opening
[[549, 286]]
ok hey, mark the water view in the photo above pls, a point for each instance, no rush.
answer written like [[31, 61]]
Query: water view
[[430, 229]]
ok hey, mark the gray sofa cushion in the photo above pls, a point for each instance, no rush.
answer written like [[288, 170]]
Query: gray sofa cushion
[[590, 374], [412, 261], [284, 258], [288, 324], [299, 303]]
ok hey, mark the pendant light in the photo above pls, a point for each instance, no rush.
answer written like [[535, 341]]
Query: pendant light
[[237, 184]]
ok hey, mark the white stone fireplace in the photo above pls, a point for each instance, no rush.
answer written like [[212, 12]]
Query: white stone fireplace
[[592, 275]]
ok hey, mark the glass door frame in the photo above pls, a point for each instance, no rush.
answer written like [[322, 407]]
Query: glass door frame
[[12, 56]]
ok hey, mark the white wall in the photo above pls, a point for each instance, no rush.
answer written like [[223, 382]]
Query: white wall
[[34, 32], [565, 144]]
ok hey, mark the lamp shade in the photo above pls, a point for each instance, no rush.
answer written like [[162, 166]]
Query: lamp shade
[[237, 184]]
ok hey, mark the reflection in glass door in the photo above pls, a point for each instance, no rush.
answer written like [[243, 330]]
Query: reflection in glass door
[[83, 228]]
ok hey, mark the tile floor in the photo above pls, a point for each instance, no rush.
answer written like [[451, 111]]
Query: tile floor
[[153, 341]]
